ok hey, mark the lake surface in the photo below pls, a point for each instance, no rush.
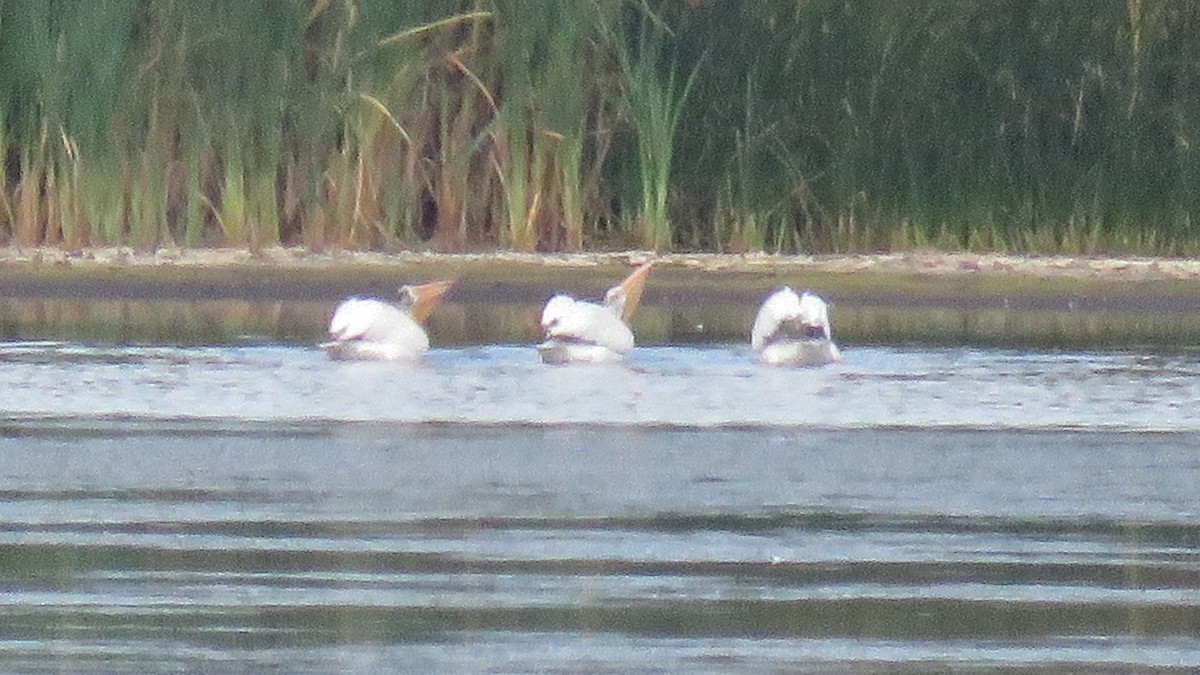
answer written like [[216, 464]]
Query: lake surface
[[195, 487]]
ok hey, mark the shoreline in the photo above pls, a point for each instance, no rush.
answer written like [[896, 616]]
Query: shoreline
[[919, 262], [918, 278]]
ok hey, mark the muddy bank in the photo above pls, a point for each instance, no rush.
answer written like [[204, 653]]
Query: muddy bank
[[922, 279]]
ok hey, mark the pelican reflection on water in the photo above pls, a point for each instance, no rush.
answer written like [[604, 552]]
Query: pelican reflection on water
[[373, 329], [593, 332]]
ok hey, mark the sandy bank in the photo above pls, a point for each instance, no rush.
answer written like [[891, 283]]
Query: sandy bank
[[925, 263], [917, 278]]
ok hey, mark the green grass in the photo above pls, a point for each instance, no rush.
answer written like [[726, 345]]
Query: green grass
[[655, 98], [822, 126]]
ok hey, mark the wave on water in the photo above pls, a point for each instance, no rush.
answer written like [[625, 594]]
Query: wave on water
[[298, 390], [224, 509]]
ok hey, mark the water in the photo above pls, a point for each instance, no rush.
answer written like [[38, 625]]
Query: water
[[204, 491]]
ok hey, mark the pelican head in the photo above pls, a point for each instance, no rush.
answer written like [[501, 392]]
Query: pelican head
[[420, 300], [556, 311], [624, 297], [811, 320]]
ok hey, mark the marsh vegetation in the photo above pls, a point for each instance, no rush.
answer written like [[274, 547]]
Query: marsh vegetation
[[814, 126]]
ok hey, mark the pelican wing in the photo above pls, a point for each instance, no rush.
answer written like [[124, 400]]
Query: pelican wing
[[794, 329], [569, 320], [378, 327], [781, 306]]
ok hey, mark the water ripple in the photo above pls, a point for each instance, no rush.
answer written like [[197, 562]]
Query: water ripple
[[261, 508], [713, 386]]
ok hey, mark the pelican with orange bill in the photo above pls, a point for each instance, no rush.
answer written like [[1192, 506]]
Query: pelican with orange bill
[[373, 329], [586, 331]]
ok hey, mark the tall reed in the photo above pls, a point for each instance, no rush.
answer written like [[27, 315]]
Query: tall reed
[[655, 98], [546, 53], [830, 125]]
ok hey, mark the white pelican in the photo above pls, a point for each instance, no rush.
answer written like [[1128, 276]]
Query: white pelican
[[578, 330], [370, 329], [794, 329]]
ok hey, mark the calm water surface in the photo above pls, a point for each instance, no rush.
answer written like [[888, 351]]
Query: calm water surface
[[192, 490]]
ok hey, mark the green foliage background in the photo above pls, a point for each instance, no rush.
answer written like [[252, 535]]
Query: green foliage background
[[788, 125]]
